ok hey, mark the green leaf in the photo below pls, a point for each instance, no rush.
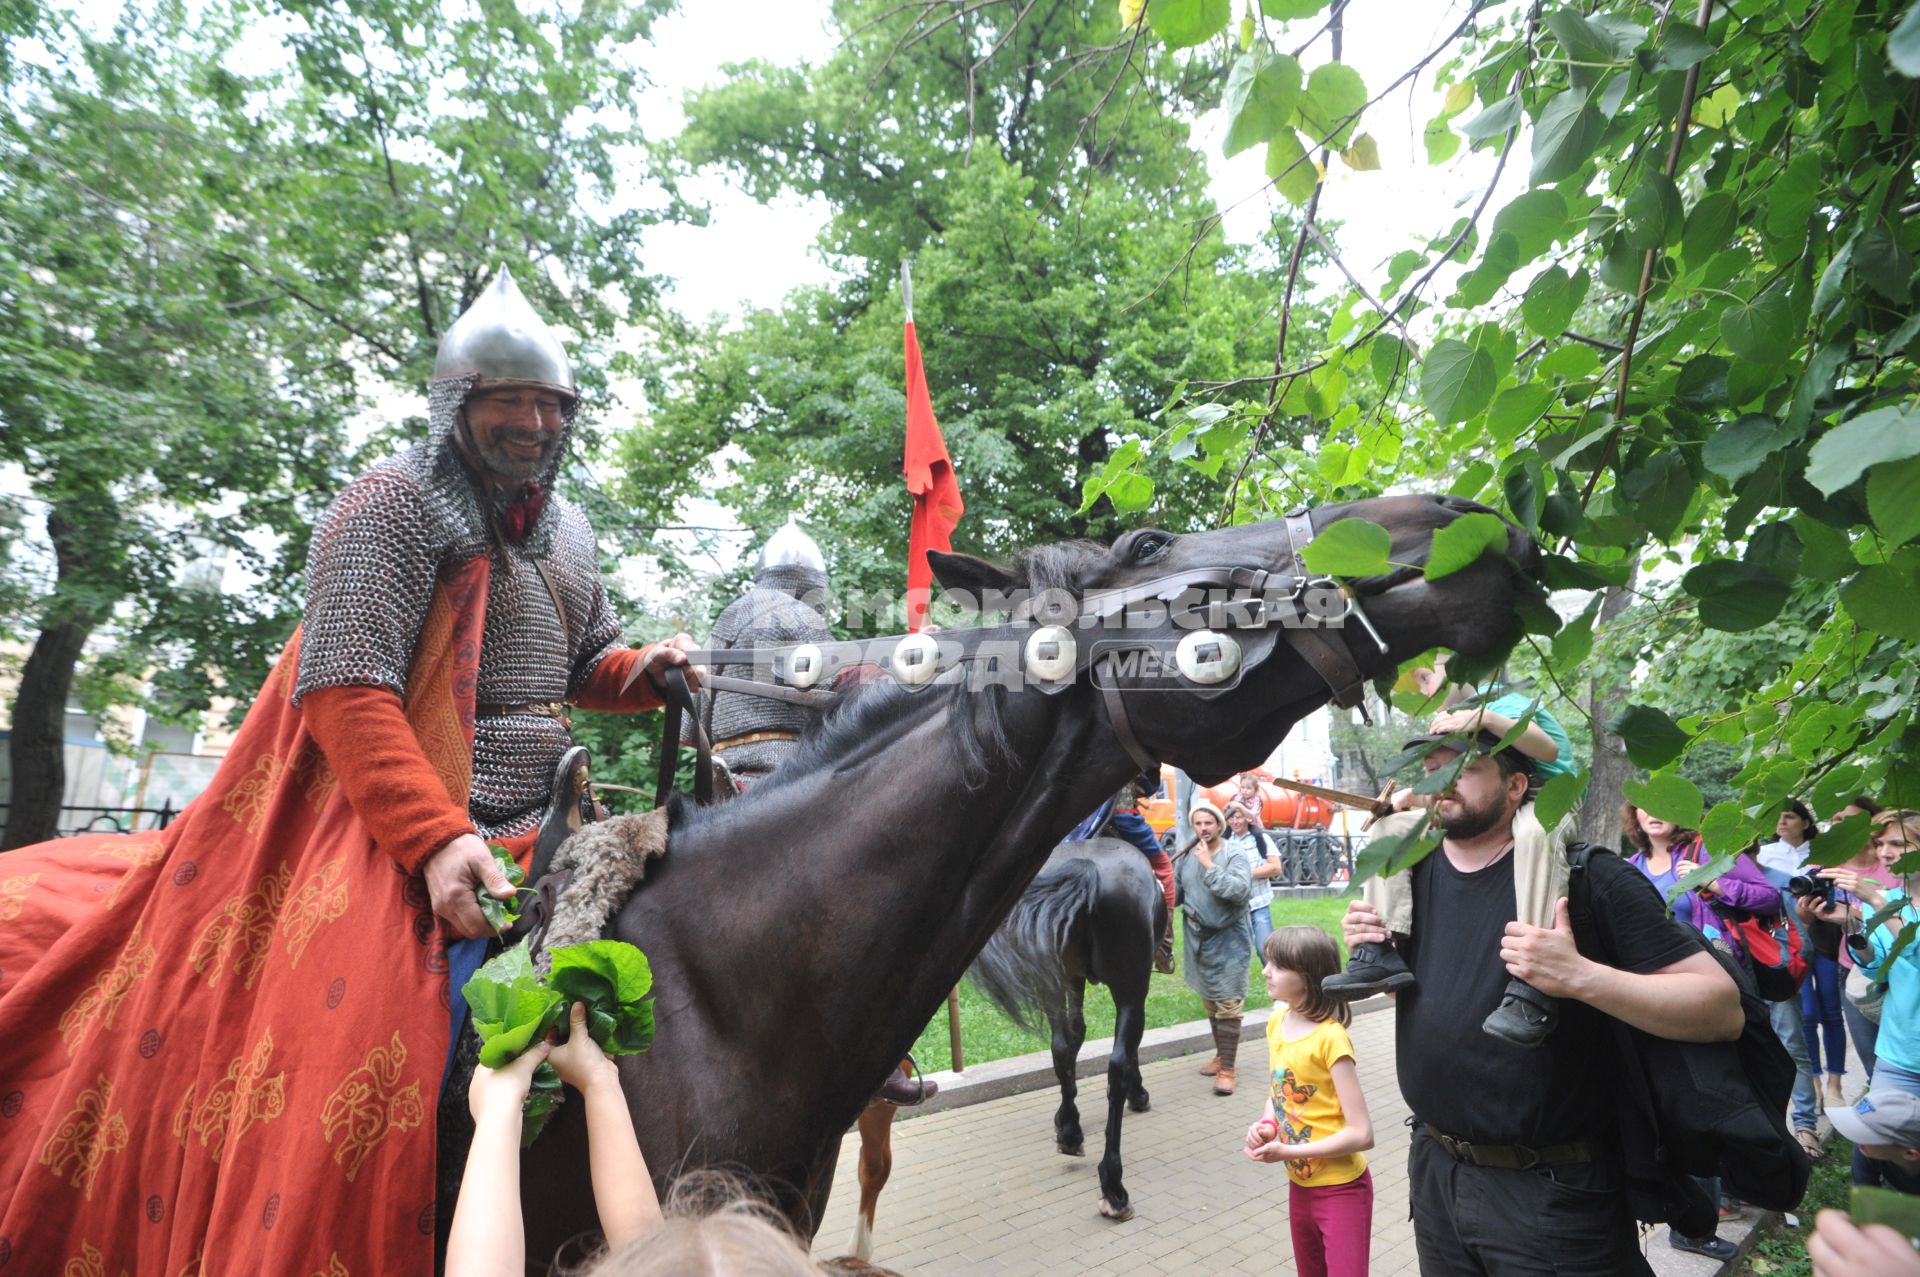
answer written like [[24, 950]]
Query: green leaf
[[1893, 499], [1709, 227], [1736, 450], [1564, 135], [1387, 854], [1760, 331], [1535, 220], [1457, 381], [1558, 797], [612, 965], [1570, 362], [1441, 141], [1291, 10], [1735, 596], [1130, 493], [1586, 48], [1903, 46], [1364, 155], [1471, 479], [1652, 738], [1883, 265], [1494, 121], [1653, 212], [1331, 105], [1884, 599], [1293, 174], [1550, 301], [1349, 547], [1681, 45], [1389, 357], [1459, 98], [1667, 796], [1516, 408], [1574, 642], [1185, 23], [1870, 439], [1261, 93], [1461, 543]]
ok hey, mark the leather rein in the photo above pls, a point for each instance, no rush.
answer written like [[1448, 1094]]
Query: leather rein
[[1039, 641]]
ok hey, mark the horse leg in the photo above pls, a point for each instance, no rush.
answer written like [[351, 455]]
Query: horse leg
[[1069, 1032], [1123, 1087], [876, 1164]]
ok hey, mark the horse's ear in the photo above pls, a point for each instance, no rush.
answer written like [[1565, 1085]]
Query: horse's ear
[[977, 578]]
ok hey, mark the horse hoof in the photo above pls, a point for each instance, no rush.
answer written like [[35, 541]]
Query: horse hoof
[[1140, 1103], [1120, 1216], [1071, 1150]]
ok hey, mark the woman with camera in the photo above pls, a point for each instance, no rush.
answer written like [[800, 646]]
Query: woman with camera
[[1885, 910]]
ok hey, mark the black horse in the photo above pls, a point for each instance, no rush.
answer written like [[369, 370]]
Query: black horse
[[1092, 913], [802, 934]]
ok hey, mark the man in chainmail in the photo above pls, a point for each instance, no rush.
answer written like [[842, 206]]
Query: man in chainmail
[[500, 410], [751, 734], [254, 1002]]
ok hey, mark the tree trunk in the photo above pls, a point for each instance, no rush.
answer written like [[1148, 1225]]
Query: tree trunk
[[1600, 813], [37, 749]]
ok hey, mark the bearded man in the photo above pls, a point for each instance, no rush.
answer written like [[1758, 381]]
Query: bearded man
[[223, 1044], [1515, 1167]]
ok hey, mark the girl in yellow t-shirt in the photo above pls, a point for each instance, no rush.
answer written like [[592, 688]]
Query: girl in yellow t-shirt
[[1315, 1121]]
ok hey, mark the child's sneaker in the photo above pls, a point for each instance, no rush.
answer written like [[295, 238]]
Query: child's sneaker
[[1371, 969], [1525, 1016]]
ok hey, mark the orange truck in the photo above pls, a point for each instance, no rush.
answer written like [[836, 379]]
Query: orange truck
[[1279, 808]]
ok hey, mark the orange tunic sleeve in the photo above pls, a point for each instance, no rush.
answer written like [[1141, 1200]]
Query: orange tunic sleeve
[[391, 786], [602, 690]]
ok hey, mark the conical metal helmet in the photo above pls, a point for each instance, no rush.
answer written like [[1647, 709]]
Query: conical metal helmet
[[501, 340], [790, 545]]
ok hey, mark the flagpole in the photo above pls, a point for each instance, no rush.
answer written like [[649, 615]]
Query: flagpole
[[906, 288]]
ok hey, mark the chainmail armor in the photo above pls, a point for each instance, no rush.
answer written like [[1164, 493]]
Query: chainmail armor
[[778, 610], [377, 554]]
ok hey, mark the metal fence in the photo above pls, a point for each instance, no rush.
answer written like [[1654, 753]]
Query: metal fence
[[1313, 857], [110, 820]]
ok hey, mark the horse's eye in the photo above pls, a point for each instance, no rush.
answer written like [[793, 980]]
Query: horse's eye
[[1151, 546]]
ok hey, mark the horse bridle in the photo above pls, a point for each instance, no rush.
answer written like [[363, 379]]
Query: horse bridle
[[1040, 640]]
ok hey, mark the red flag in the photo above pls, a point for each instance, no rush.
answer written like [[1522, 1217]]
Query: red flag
[[936, 493]]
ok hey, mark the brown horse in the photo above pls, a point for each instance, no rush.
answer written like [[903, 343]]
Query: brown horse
[[802, 934]]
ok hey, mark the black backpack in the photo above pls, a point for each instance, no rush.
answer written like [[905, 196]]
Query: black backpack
[[1697, 1108]]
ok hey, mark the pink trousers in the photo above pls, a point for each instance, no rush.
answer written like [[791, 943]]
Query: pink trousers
[[1332, 1227]]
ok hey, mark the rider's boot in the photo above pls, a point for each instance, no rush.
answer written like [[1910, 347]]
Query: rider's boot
[[907, 1091], [1371, 969]]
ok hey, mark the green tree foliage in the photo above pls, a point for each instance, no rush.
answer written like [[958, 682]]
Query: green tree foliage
[[1685, 357], [208, 266], [1055, 296]]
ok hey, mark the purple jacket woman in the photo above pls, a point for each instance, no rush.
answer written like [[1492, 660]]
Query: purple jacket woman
[[1742, 887]]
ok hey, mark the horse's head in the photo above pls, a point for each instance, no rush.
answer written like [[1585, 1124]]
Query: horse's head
[[1294, 653]]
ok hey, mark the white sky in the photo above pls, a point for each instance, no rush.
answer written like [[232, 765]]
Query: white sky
[[750, 255]]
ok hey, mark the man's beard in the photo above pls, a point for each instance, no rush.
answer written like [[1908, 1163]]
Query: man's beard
[[1471, 822], [504, 465]]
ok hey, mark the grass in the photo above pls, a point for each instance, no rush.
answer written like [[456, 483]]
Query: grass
[[986, 1035], [1782, 1248]]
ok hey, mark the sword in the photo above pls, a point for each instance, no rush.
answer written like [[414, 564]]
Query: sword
[[1341, 796]]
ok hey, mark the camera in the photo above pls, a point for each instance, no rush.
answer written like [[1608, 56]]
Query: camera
[[1808, 887]]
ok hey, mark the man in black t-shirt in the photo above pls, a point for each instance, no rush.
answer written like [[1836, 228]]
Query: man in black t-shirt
[[1514, 1168]]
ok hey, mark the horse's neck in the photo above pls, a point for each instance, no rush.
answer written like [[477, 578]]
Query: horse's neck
[[910, 868]]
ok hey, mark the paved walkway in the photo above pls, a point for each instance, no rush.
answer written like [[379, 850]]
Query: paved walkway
[[980, 1189]]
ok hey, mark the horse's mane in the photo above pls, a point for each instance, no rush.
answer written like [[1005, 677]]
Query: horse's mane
[[867, 717]]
